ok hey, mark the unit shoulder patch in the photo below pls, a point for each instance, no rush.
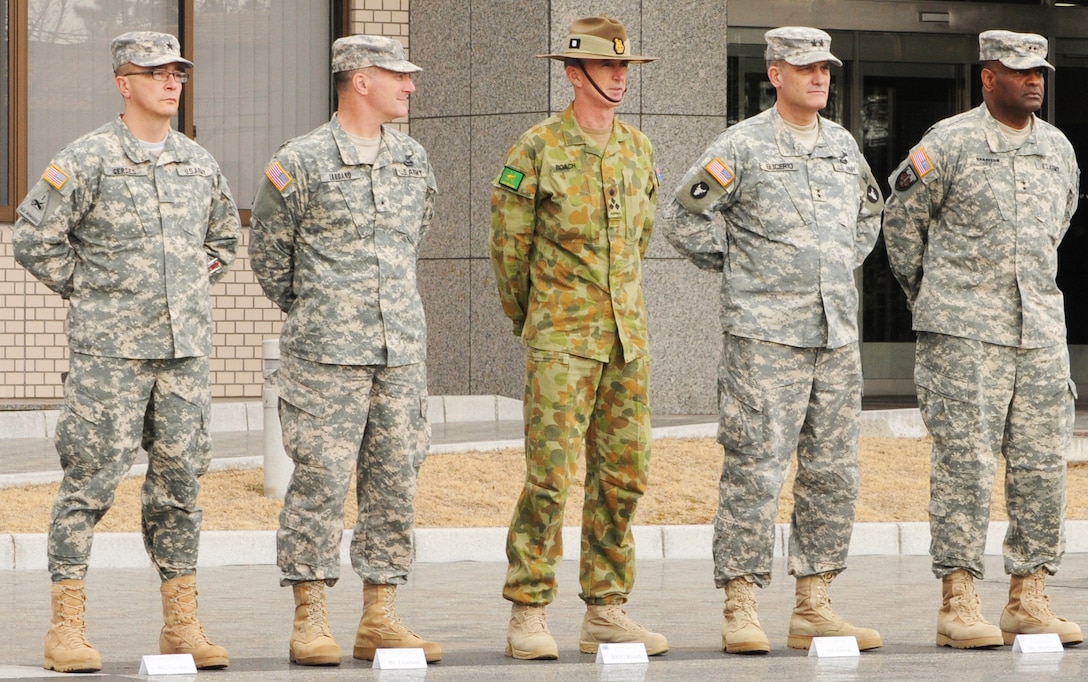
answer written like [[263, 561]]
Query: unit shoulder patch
[[33, 208], [906, 178], [511, 178]]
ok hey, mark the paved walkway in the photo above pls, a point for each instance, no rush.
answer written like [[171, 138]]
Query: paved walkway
[[453, 597], [459, 605]]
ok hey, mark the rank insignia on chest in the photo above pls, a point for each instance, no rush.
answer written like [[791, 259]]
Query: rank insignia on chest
[[920, 160], [278, 176], [511, 178], [55, 176]]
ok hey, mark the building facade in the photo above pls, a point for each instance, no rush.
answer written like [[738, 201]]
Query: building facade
[[261, 77]]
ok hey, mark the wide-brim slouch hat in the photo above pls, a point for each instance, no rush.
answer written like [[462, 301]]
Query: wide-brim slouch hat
[[598, 38]]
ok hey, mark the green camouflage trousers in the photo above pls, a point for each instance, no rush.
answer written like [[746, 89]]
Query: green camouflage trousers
[[979, 402], [112, 406], [776, 400], [339, 419], [571, 403]]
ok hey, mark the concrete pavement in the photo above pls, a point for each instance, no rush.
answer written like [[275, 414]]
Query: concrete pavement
[[459, 605], [454, 594]]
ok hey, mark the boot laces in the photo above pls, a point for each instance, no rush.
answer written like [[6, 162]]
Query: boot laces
[[393, 622], [967, 603], [615, 615], [72, 628], [533, 620], [1035, 599], [317, 614], [822, 593], [185, 622], [742, 604]]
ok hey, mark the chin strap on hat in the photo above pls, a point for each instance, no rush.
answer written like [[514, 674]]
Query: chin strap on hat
[[582, 66]]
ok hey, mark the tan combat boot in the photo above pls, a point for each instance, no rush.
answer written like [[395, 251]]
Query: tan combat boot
[[182, 633], [741, 631], [66, 647], [311, 639], [1028, 611], [609, 624], [960, 624], [528, 637], [380, 628], [814, 617]]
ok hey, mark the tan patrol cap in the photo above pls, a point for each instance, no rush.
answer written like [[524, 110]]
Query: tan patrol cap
[[598, 38], [146, 48], [799, 45], [1018, 51], [361, 51]]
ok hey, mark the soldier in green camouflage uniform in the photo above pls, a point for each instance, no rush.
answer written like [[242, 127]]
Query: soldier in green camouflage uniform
[[801, 211], [337, 228], [132, 224], [572, 214], [972, 227]]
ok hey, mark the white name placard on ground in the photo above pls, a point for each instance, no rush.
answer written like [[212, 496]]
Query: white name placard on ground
[[634, 652], [1045, 643], [400, 659], [168, 664], [833, 647]]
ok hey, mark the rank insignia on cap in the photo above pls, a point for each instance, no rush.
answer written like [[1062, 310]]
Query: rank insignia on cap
[[618, 46], [511, 178], [278, 176], [920, 160], [55, 176], [720, 172]]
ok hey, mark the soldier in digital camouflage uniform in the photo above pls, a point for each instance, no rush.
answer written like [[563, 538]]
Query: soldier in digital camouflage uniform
[[801, 211], [972, 228], [337, 228], [572, 214], [132, 224]]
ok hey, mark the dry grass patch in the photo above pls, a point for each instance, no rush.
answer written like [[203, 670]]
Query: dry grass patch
[[474, 490]]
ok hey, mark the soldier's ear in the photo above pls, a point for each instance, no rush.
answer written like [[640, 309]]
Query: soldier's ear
[[774, 74]]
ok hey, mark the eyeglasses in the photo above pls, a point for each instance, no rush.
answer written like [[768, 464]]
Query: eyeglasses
[[162, 75]]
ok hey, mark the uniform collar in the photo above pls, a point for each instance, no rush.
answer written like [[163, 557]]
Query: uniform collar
[[135, 151], [788, 145], [998, 143], [391, 150], [574, 135]]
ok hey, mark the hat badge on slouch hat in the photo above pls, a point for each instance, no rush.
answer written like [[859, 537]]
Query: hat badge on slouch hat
[[598, 38]]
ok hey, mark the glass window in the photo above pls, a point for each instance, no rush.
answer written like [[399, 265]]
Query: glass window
[[261, 77], [70, 87]]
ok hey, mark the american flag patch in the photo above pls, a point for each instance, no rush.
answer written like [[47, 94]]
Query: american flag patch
[[920, 160], [278, 176], [55, 176], [720, 172]]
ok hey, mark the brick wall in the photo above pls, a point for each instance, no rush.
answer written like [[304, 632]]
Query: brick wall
[[33, 347]]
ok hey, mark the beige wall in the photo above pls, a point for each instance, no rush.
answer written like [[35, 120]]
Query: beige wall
[[33, 347]]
